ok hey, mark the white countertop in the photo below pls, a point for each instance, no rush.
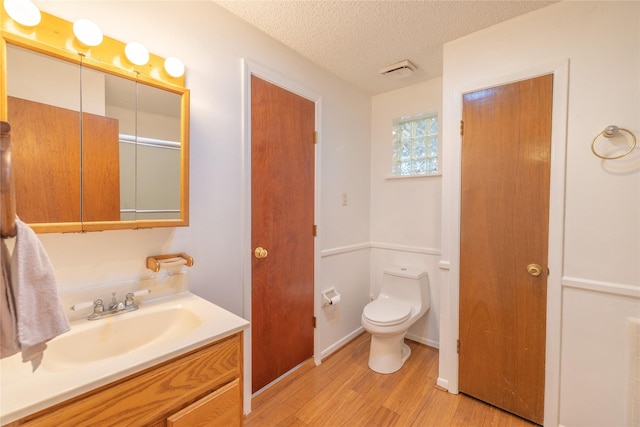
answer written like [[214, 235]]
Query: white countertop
[[23, 392]]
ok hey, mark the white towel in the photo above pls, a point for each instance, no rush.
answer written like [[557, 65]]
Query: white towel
[[39, 314]]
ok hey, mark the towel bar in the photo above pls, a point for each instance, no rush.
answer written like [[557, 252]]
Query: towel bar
[[155, 262]]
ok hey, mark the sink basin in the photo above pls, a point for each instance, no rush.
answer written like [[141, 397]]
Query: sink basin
[[98, 352], [117, 335]]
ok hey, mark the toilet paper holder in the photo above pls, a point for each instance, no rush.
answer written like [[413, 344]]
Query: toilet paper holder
[[330, 297]]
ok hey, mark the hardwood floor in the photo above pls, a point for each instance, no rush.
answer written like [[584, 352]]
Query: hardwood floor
[[343, 391]]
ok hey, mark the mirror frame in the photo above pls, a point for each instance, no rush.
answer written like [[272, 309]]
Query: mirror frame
[[54, 37]]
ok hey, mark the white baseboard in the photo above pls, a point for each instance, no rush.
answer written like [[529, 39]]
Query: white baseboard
[[423, 340], [277, 380], [339, 344], [441, 382]]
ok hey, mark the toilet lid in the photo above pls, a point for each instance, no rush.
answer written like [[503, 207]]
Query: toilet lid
[[386, 312]]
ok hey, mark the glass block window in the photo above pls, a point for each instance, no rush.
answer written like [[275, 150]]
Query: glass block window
[[415, 145]]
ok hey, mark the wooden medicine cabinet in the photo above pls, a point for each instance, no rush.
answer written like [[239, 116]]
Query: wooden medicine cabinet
[[98, 142]]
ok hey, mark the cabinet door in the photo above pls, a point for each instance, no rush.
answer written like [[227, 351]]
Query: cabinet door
[[223, 407]]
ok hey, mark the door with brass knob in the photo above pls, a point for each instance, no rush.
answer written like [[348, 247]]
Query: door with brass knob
[[260, 252], [282, 218], [504, 233]]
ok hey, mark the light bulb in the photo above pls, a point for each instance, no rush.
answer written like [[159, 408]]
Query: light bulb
[[174, 67], [23, 12], [136, 53], [87, 32]]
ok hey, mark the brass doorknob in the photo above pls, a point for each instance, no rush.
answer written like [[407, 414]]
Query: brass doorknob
[[534, 269], [260, 252]]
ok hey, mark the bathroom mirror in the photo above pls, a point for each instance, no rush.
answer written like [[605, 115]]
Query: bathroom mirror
[[149, 146], [48, 150], [97, 146]]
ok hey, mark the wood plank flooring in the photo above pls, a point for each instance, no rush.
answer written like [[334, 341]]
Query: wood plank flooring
[[343, 391]]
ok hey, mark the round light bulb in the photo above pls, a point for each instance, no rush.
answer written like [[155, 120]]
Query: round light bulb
[[87, 32], [136, 53], [24, 12], [174, 67]]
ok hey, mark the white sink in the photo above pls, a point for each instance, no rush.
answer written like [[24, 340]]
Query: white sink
[[114, 336], [96, 352]]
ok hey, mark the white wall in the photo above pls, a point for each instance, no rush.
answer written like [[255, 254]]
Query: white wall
[[32, 77], [213, 43], [599, 285], [405, 212]]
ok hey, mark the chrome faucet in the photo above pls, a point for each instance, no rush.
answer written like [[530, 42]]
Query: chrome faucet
[[114, 307], [114, 304]]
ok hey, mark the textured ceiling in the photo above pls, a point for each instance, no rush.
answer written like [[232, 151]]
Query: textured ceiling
[[354, 39]]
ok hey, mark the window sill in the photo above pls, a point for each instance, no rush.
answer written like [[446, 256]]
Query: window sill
[[432, 175]]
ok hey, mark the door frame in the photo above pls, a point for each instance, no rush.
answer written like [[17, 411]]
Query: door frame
[[450, 263], [250, 68]]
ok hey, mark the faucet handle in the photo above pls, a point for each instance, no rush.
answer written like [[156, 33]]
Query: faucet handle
[[98, 306], [128, 299], [82, 305], [114, 303]]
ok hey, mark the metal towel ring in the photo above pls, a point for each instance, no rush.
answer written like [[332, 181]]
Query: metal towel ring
[[610, 132]]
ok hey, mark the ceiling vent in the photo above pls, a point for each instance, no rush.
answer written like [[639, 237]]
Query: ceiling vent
[[397, 71]]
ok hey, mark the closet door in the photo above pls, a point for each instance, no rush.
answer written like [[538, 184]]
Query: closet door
[[504, 228]]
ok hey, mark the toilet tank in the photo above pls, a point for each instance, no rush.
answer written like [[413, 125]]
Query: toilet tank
[[405, 283]]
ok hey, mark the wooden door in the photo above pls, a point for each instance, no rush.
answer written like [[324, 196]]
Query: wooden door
[[100, 168], [47, 148], [70, 170], [282, 223], [503, 230]]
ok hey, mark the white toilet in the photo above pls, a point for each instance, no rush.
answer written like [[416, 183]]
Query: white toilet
[[403, 299]]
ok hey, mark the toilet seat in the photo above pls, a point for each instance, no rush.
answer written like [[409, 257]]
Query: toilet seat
[[386, 312]]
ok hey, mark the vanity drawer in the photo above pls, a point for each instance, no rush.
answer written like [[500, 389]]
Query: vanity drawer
[[223, 407], [153, 395]]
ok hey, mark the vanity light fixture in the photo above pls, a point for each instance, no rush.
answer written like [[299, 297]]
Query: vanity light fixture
[[136, 53], [87, 32], [174, 67], [24, 12]]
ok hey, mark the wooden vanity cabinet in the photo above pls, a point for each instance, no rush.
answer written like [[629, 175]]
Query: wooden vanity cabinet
[[201, 388]]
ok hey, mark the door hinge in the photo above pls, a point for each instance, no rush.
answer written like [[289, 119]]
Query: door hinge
[[314, 322], [315, 137], [315, 230], [458, 346], [461, 128]]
